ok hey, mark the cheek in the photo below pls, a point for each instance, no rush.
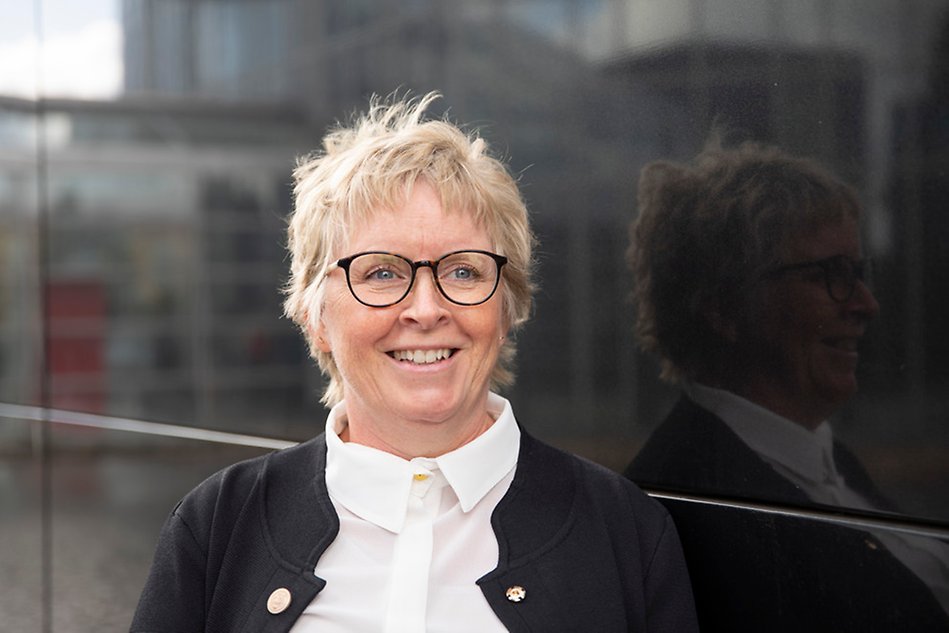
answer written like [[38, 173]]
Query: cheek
[[339, 323], [352, 343], [485, 331], [317, 331], [791, 322], [779, 343], [812, 360], [492, 325], [800, 340]]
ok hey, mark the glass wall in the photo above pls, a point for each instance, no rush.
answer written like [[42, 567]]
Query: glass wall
[[145, 157]]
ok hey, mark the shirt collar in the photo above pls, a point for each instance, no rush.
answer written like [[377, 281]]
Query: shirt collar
[[808, 454], [375, 485]]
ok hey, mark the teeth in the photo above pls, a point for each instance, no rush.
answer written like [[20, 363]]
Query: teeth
[[847, 345], [422, 357]]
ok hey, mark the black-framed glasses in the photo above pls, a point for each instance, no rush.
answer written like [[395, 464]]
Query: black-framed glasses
[[840, 273], [379, 279]]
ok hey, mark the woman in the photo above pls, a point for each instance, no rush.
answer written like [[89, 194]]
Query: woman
[[423, 506], [751, 288], [750, 285]]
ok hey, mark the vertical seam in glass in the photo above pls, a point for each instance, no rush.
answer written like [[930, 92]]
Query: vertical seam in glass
[[42, 254]]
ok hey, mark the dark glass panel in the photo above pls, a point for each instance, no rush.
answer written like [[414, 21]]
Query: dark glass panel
[[753, 569], [159, 161], [21, 525], [111, 492]]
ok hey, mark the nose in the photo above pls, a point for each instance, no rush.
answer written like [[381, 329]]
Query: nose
[[863, 303], [425, 306]]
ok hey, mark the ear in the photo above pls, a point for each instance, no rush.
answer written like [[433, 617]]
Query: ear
[[317, 332], [726, 327]]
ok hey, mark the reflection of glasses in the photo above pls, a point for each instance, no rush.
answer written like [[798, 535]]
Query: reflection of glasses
[[378, 279], [840, 272]]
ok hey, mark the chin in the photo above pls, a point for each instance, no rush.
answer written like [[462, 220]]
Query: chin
[[433, 408], [837, 392]]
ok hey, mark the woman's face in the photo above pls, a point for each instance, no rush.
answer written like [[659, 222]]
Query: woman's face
[[392, 403], [801, 344]]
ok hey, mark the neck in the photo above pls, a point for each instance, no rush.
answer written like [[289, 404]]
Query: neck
[[765, 393], [413, 438]]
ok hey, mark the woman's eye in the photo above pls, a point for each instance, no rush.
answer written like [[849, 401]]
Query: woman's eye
[[382, 274], [462, 273], [840, 269]]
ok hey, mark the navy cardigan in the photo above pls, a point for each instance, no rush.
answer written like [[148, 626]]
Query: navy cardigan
[[762, 571], [592, 551]]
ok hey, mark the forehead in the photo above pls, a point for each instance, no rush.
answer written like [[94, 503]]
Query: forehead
[[417, 226], [837, 237]]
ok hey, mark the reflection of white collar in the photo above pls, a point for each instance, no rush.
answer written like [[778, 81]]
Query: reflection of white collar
[[807, 458], [807, 454], [375, 485]]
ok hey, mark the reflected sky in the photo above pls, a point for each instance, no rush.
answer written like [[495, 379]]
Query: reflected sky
[[82, 52], [83, 41]]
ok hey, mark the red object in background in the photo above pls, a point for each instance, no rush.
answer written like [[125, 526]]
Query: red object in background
[[76, 313]]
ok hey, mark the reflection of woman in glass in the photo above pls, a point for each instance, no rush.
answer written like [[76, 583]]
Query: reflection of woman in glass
[[751, 288], [424, 505]]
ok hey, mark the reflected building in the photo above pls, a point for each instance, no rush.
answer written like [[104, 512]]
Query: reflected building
[[769, 94], [163, 255], [337, 51], [20, 322], [150, 229], [918, 193], [222, 51], [192, 162]]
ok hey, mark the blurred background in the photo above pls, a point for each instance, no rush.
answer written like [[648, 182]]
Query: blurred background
[[145, 157]]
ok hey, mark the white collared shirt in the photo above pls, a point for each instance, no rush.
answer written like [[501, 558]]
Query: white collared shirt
[[806, 458], [414, 535]]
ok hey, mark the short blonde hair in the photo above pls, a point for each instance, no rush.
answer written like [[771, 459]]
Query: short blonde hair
[[372, 165]]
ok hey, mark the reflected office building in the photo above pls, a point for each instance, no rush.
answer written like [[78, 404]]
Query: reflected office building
[[142, 343]]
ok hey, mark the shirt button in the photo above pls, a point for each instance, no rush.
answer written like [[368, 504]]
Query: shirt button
[[516, 593], [278, 601]]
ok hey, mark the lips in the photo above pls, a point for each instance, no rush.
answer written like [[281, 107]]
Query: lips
[[422, 356], [844, 344]]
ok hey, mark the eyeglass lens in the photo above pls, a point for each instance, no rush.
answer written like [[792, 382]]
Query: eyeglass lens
[[382, 279], [842, 275]]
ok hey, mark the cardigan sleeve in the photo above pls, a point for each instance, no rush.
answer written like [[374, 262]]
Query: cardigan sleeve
[[216, 562], [173, 599], [670, 607]]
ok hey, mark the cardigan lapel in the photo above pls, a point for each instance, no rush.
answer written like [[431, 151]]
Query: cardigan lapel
[[298, 523], [533, 516]]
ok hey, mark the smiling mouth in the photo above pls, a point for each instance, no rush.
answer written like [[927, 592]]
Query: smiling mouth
[[843, 344], [422, 356]]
